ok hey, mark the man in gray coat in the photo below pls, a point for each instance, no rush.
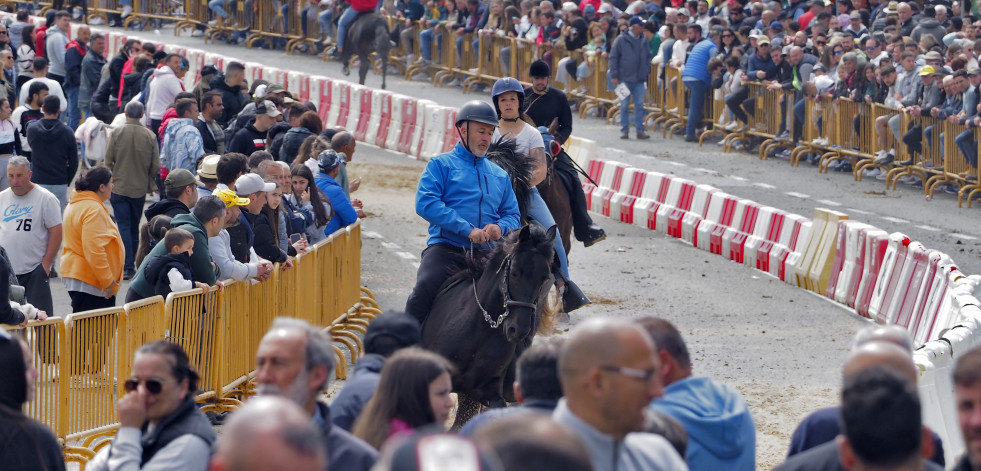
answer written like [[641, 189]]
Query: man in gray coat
[[630, 64], [92, 66]]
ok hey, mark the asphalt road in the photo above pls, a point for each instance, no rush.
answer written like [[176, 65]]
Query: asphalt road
[[779, 345]]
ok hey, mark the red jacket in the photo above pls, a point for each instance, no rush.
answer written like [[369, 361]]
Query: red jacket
[[364, 5], [39, 36]]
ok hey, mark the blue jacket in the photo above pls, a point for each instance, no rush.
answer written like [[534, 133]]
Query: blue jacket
[[630, 58], [696, 66], [459, 191], [350, 401], [759, 63], [344, 451], [721, 434], [344, 213]]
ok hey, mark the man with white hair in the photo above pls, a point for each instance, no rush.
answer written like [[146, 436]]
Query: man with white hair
[[295, 360], [269, 433]]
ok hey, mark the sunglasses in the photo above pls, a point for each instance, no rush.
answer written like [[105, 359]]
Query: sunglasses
[[871, 48], [821, 43], [152, 386], [726, 35], [839, 52], [3, 32]]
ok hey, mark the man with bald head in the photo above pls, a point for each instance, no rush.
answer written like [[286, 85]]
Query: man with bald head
[[532, 442], [813, 446], [610, 373], [269, 433]]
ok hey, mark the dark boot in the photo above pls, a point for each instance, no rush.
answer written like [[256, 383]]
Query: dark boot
[[593, 235], [581, 221], [573, 298]]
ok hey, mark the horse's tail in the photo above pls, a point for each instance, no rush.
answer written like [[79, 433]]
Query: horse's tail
[[382, 45]]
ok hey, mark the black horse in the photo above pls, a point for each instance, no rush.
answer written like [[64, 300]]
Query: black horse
[[485, 316], [368, 33]]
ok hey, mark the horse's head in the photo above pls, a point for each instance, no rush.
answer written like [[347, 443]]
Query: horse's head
[[527, 277]]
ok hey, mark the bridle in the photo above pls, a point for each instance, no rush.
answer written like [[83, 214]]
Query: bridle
[[506, 291]]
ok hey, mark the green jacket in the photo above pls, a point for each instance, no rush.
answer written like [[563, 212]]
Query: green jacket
[[201, 268], [134, 158]]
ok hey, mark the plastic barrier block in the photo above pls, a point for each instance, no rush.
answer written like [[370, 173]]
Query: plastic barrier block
[[927, 283], [734, 237], [699, 208], [409, 124], [876, 243], [892, 265], [430, 142], [769, 223], [669, 215], [714, 212], [381, 118], [930, 301], [360, 111], [631, 188], [609, 185], [657, 217], [586, 151], [393, 130], [905, 299], [369, 110], [715, 230], [772, 249], [280, 76], [818, 253], [789, 260], [849, 261], [450, 133], [655, 188], [253, 71], [340, 104], [594, 170], [322, 88]]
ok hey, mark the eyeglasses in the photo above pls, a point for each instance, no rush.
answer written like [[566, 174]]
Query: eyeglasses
[[726, 35], [821, 43], [153, 386], [871, 48], [839, 52], [643, 375]]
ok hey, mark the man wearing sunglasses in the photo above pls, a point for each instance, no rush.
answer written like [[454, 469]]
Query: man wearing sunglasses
[[610, 372], [720, 427]]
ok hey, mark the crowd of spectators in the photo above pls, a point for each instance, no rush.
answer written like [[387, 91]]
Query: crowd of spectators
[[613, 395]]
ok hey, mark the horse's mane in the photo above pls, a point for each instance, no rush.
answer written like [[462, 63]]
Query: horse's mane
[[481, 261], [518, 166]]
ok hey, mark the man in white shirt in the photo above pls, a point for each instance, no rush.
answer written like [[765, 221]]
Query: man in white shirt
[[163, 89], [221, 250], [30, 230], [54, 88]]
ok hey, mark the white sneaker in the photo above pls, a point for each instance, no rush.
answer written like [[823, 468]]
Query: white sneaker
[[722, 142], [97, 20], [821, 141], [872, 173], [732, 126], [213, 22], [197, 33], [127, 9], [882, 176]]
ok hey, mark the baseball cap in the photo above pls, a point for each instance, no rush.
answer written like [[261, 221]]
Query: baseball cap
[[763, 39], [855, 15], [179, 178], [819, 68], [328, 160], [267, 108], [230, 198], [252, 183], [933, 56], [569, 6], [208, 70], [589, 10], [402, 328], [776, 26], [684, 12], [274, 88], [209, 167], [636, 20], [605, 8], [755, 33], [974, 71], [927, 70]]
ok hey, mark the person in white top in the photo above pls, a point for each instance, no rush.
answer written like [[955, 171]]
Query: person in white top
[[40, 75], [163, 89], [220, 246], [508, 95]]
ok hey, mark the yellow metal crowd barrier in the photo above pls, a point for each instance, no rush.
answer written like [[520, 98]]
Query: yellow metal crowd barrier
[[84, 358], [158, 10]]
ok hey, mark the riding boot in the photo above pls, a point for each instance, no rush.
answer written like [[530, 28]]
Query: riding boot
[[582, 224], [573, 298]]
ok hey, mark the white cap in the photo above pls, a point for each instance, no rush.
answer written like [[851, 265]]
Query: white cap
[[251, 183]]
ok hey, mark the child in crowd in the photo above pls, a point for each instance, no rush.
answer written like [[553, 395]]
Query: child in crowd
[[151, 232], [172, 272]]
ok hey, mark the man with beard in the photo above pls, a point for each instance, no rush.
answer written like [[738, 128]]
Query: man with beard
[[549, 107], [295, 361]]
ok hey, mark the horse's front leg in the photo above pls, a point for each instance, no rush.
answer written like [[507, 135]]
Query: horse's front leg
[[363, 70]]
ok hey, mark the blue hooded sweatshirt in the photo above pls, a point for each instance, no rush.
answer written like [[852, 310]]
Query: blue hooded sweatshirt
[[459, 191], [721, 433]]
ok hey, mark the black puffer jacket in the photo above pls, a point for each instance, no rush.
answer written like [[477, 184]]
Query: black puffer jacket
[[232, 97], [158, 267]]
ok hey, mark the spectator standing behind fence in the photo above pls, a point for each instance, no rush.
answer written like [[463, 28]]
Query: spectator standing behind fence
[[294, 360], [76, 51], [609, 374], [163, 89], [220, 244], [55, 42], [40, 68], [234, 93], [180, 195], [212, 135], [93, 257], [91, 72], [307, 197], [160, 427], [55, 141], [252, 137], [171, 272], [183, 145], [630, 64], [34, 227], [25, 443], [25, 57], [386, 335], [696, 78], [413, 392], [344, 213], [133, 157]]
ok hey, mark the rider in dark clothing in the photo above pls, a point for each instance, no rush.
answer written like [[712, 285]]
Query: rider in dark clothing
[[546, 105]]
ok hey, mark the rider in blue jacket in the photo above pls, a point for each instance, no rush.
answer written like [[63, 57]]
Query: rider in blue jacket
[[468, 202]]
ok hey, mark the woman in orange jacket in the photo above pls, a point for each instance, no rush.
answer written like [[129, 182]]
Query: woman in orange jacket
[[92, 260]]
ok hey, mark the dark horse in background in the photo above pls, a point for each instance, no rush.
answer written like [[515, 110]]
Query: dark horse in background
[[485, 316], [554, 191], [368, 33]]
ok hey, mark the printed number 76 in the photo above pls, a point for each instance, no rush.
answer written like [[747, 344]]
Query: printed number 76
[[24, 224]]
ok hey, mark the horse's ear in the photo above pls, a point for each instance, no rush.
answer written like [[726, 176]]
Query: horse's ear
[[550, 234], [524, 235]]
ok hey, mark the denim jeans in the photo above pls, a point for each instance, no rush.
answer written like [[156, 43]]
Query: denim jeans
[[637, 96], [346, 19], [73, 111], [60, 192], [326, 20], [128, 212], [218, 6], [799, 109], [426, 43], [968, 146], [538, 211], [696, 103]]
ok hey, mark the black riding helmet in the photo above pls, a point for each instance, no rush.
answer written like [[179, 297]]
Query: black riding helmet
[[478, 111], [540, 68], [504, 85]]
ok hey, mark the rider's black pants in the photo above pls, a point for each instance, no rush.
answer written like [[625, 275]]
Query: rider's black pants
[[577, 200], [439, 261]]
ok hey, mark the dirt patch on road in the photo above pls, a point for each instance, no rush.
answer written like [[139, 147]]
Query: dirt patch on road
[[386, 176]]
